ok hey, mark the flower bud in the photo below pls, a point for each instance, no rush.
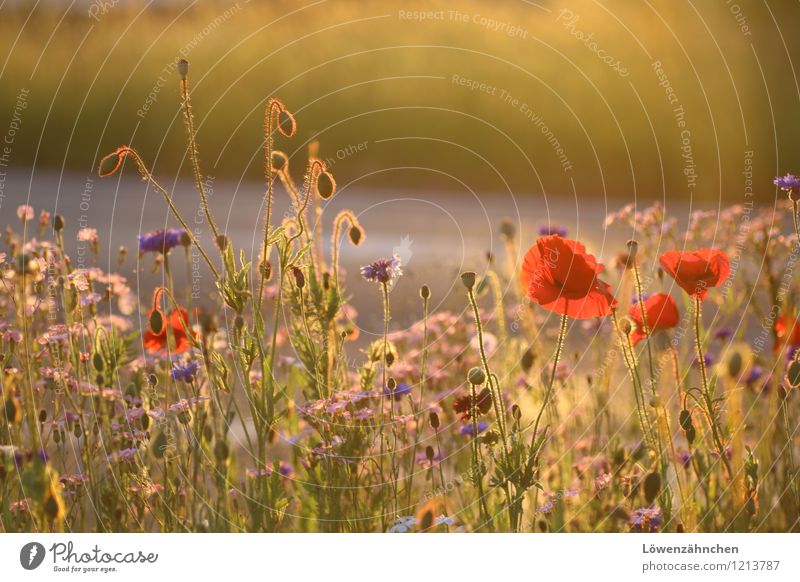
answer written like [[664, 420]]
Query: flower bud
[[425, 292], [476, 376], [156, 321], [625, 326], [183, 68], [633, 248], [434, 418], [356, 235], [429, 454], [793, 374], [58, 223], [326, 185], [299, 277], [222, 242], [507, 229], [280, 161], [286, 123]]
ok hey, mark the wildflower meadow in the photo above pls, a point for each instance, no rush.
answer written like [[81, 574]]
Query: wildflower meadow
[[658, 393]]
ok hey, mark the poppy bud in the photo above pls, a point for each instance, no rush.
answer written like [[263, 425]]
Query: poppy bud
[[356, 235], [389, 359], [391, 384], [280, 161], [185, 239], [633, 248], [793, 374], [468, 279], [516, 413], [434, 418], [425, 292], [528, 359], [221, 451], [156, 321], [222, 242], [183, 68], [326, 185], [266, 270], [299, 277], [429, 454], [507, 229], [42, 415], [625, 326], [286, 123], [476, 376], [652, 486], [58, 223], [97, 362]]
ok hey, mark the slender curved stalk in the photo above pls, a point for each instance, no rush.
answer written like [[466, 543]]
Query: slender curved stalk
[[707, 396], [562, 333], [193, 155]]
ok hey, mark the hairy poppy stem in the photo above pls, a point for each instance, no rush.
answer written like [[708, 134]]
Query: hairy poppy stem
[[707, 397], [494, 388], [562, 334], [193, 155], [126, 151]]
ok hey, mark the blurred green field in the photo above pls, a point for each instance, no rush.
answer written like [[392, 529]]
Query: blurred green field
[[486, 96]]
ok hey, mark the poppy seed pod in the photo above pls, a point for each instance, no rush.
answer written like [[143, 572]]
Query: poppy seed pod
[[183, 68], [476, 376], [286, 123], [326, 185], [468, 279]]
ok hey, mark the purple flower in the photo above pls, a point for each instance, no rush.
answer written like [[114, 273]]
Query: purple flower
[[708, 360], [791, 352], [161, 241], [685, 458], [635, 299], [549, 229], [186, 372], [646, 519], [467, 429], [788, 183], [400, 390], [383, 270], [755, 375], [723, 334]]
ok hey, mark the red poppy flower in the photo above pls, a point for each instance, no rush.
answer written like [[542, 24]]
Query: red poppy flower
[[156, 342], [696, 271], [786, 332], [561, 276], [661, 312], [483, 404]]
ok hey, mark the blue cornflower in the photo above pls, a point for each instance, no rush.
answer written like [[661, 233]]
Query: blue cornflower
[[635, 299], [549, 229], [383, 270], [186, 372], [788, 183], [399, 391], [646, 518], [162, 241], [467, 429], [723, 334], [755, 375]]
